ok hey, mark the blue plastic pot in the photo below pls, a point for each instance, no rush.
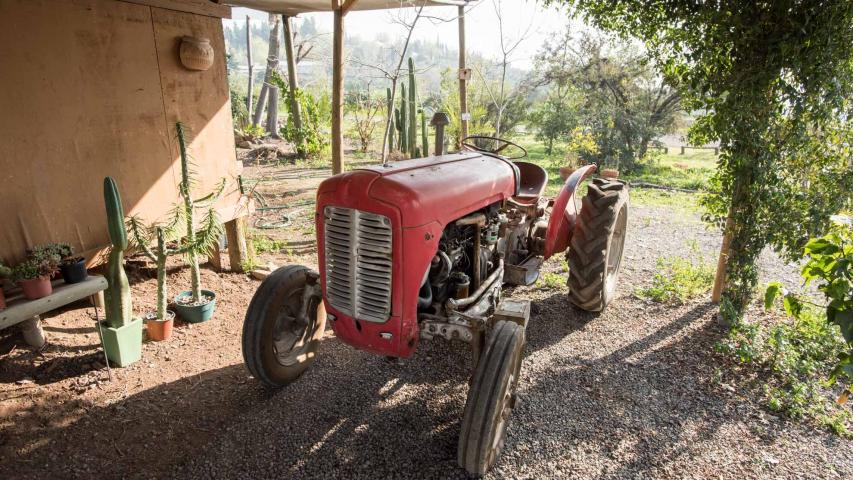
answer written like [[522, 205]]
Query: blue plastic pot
[[195, 313]]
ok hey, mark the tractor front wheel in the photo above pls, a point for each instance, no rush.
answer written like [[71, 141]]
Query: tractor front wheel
[[595, 251], [283, 326], [491, 399]]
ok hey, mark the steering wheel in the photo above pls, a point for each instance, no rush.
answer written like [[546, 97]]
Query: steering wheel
[[500, 145]]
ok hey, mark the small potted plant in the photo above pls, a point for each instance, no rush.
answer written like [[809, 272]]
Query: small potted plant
[[71, 267], [153, 241], [5, 272], [196, 305], [572, 163], [610, 173], [33, 275]]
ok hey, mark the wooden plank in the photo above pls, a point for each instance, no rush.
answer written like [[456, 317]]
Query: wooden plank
[[199, 7], [338, 93], [238, 248], [20, 309]]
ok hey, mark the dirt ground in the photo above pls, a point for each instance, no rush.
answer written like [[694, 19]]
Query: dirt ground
[[633, 392]]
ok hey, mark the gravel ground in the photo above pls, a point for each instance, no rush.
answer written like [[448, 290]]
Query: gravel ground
[[630, 393], [633, 392]]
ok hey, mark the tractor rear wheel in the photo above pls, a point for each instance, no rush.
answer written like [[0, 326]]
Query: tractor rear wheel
[[283, 326], [597, 245], [491, 399]]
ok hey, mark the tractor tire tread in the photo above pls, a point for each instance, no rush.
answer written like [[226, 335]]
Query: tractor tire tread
[[491, 379], [587, 253]]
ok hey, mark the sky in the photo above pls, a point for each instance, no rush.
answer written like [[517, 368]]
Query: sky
[[480, 24]]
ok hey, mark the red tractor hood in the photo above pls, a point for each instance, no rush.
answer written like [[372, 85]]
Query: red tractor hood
[[434, 189]]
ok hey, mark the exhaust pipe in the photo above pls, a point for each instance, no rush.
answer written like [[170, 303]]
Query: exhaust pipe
[[439, 120]]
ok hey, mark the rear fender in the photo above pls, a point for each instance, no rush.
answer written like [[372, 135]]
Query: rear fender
[[561, 224]]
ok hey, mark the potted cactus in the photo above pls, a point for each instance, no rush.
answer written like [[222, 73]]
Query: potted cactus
[[5, 272], [154, 242], [121, 333], [195, 305], [34, 273], [71, 267]]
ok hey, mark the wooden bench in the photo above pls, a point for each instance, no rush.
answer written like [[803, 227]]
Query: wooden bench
[[26, 312]]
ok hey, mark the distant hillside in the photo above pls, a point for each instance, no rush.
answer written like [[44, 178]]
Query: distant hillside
[[431, 57]]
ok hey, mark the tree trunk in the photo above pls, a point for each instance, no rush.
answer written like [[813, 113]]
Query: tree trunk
[[293, 83], [272, 65]]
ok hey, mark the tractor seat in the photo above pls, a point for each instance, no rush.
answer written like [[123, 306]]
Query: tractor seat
[[532, 182]]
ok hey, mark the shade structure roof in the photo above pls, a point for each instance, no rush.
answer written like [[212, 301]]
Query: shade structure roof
[[295, 7]]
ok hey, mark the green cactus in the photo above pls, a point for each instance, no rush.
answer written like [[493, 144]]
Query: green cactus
[[412, 118], [424, 139], [390, 107], [119, 309], [196, 243], [404, 120]]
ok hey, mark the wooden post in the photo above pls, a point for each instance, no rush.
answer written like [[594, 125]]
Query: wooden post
[[338, 91], [238, 249], [722, 261], [251, 68], [682, 149], [463, 88], [293, 83]]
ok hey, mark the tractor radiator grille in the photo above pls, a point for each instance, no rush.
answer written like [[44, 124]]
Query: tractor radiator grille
[[358, 263]]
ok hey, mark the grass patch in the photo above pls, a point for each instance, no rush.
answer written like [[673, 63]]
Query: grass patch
[[796, 356], [264, 244], [678, 280], [679, 201], [551, 281]]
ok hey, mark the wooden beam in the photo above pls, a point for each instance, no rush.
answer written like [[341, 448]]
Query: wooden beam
[[463, 88], [347, 5], [251, 68], [199, 7], [338, 92]]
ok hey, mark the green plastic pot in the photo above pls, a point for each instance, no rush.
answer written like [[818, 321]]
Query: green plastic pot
[[195, 313], [123, 344]]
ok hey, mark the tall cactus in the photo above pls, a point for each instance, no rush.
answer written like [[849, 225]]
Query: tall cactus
[[404, 120], [398, 125], [424, 139], [413, 116], [117, 300], [390, 107]]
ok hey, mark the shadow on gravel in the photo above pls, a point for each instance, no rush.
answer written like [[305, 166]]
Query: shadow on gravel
[[632, 406], [358, 415]]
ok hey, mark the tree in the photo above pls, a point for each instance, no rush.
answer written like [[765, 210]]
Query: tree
[[365, 109], [505, 98], [393, 73], [775, 79], [556, 116], [268, 89], [625, 103]]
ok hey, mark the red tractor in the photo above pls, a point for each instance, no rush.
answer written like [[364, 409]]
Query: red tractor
[[420, 249]]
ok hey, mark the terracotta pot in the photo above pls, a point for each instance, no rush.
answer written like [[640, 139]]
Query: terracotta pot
[[35, 288], [610, 173], [2, 300], [565, 172], [196, 53], [159, 330]]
